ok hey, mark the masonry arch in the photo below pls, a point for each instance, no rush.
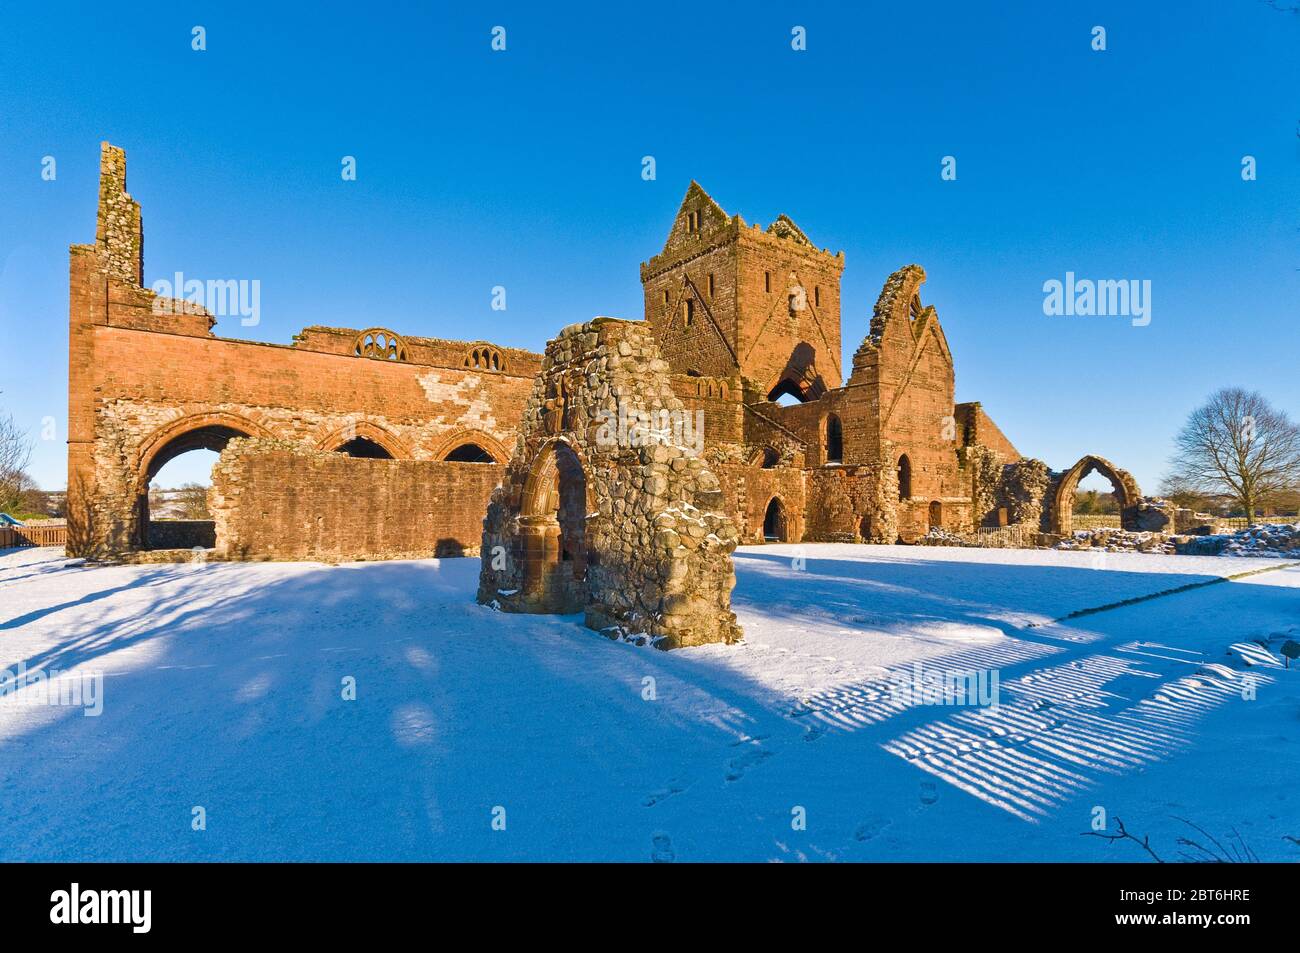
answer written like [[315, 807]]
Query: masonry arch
[[210, 431], [834, 439], [1061, 496], [766, 458], [904, 477], [799, 378], [553, 528], [365, 439], [464, 444], [776, 522]]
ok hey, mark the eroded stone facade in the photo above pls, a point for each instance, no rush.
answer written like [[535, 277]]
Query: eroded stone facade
[[148, 379], [616, 520], [366, 443]]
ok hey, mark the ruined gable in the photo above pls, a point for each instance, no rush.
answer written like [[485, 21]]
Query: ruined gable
[[602, 513]]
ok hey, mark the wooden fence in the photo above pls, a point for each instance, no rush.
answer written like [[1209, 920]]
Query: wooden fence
[[42, 534]]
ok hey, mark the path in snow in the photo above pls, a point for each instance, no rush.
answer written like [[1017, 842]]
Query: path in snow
[[222, 689]]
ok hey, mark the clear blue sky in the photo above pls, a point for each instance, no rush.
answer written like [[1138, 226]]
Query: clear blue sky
[[522, 169]]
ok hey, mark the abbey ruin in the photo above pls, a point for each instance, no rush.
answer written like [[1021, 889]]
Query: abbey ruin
[[368, 443]]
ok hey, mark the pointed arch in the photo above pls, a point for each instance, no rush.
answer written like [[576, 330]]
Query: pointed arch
[[834, 439], [904, 477], [1061, 512], [481, 438], [776, 521], [336, 440]]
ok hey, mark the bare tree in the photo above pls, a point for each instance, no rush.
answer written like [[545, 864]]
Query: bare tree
[[193, 501], [1237, 446], [15, 454]]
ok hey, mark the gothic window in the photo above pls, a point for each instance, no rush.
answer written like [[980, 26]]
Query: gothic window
[[904, 477], [485, 357], [834, 440], [380, 344], [469, 453]]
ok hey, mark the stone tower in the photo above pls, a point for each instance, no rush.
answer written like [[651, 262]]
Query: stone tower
[[726, 299]]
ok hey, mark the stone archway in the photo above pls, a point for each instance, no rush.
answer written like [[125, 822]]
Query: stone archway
[[195, 432], [1061, 494], [364, 439], [622, 523], [553, 530], [775, 522], [479, 438]]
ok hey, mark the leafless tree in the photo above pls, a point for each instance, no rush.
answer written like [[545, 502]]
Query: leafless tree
[[15, 454], [1237, 446], [193, 502]]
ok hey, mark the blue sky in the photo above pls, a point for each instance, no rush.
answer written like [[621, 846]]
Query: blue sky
[[522, 169]]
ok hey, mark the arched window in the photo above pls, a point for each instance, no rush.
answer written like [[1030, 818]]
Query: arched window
[[834, 440], [485, 357], [364, 447], [904, 478], [469, 453], [381, 344], [769, 459], [936, 514]]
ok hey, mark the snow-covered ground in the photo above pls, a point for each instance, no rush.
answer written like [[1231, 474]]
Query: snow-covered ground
[[223, 689]]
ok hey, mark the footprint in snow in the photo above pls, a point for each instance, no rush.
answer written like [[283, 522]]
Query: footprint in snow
[[663, 794], [737, 766], [871, 828], [663, 849]]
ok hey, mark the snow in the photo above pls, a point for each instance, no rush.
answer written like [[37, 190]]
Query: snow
[[223, 688]]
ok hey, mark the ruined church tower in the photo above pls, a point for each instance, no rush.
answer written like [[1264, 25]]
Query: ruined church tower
[[726, 298]]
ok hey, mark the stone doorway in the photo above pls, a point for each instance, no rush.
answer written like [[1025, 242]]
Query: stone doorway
[[552, 528], [774, 522]]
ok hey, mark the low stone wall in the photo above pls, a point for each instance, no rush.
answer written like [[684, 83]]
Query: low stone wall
[[182, 534], [272, 500]]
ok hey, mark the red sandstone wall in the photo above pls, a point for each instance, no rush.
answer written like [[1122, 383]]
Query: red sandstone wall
[[273, 502], [977, 427], [746, 492]]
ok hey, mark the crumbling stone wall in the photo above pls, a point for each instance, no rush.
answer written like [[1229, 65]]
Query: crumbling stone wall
[[182, 534], [274, 499], [148, 379], [747, 491], [652, 559], [985, 468], [1058, 511], [1022, 491]]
